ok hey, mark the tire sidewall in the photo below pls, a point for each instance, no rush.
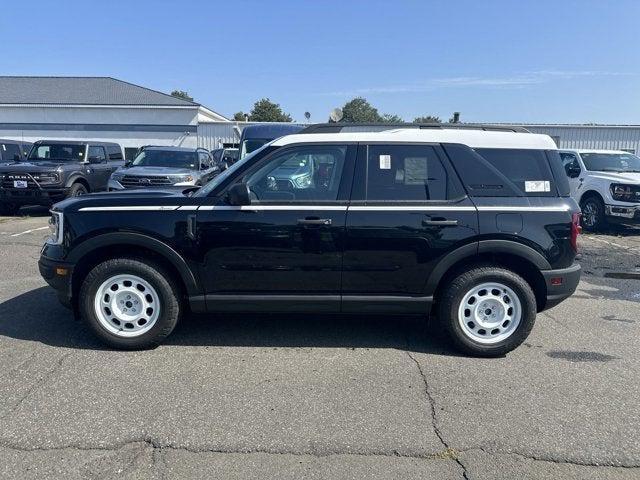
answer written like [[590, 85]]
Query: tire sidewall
[[599, 206], [168, 299], [475, 277], [75, 188]]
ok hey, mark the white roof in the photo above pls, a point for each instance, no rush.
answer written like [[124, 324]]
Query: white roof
[[472, 138], [593, 150]]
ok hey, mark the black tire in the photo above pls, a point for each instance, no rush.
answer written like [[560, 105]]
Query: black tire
[[451, 297], [8, 209], [157, 277], [595, 219], [76, 190]]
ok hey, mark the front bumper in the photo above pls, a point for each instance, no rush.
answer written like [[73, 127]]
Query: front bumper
[[58, 275], [33, 196], [561, 284], [623, 213]]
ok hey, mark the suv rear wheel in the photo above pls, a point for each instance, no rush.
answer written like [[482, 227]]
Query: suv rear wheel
[[130, 303], [487, 311]]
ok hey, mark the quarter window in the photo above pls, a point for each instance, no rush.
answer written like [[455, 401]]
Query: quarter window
[[407, 172], [303, 174]]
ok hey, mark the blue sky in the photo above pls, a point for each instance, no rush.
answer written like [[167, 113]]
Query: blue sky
[[544, 61]]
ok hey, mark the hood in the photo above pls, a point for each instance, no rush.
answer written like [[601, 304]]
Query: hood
[[631, 177], [147, 196], [160, 171], [31, 166]]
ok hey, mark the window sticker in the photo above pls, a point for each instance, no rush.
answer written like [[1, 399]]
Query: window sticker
[[415, 169], [385, 162], [537, 186]]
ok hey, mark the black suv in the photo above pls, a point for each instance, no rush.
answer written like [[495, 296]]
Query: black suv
[[55, 170], [476, 226]]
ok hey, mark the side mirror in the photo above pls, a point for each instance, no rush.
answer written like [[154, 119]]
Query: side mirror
[[573, 172], [239, 195]]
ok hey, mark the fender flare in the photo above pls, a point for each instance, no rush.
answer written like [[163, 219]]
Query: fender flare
[[74, 177], [137, 239], [483, 246]]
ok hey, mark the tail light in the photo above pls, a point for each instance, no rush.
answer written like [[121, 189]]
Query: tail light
[[576, 230]]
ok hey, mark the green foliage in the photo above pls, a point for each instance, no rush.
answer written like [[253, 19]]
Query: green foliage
[[265, 110], [427, 119], [359, 110], [182, 94], [240, 116]]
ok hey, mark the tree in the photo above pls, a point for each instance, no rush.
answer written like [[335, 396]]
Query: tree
[[359, 110], [265, 110], [182, 94], [389, 118], [307, 116], [427, 119], [240, 116]]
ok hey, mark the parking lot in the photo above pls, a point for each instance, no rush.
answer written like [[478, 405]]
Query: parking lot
[[349, 397]]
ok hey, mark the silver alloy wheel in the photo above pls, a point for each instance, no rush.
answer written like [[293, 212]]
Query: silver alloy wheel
[[589, 214], [127, 305], [489, 313]]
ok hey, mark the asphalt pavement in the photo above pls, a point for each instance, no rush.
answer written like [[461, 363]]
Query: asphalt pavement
[[265, 396]]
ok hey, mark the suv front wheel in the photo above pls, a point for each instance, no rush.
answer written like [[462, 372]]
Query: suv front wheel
[[487, 311], [130, 303]]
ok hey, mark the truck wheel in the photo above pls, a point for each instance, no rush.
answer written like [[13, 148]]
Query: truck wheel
[[76, 190], [487, 311], [593, 218], [129, 303], [8, 209]]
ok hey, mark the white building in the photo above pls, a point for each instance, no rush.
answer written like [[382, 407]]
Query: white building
[[605, 137], [98, 108]]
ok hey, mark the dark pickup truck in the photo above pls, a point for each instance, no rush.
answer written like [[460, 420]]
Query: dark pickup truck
[[55, 170]]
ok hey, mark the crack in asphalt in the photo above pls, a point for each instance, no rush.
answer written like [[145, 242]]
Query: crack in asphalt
[[33, 388], [453, 453]]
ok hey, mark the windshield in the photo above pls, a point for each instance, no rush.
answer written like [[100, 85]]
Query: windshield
[[252, 145], [57, 151], [217, 180], [166, 158], [611, 162]]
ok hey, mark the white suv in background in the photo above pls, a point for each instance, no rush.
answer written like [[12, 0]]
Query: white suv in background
[[606, 185]]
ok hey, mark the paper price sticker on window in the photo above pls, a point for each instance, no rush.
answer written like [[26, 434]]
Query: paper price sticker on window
[[385, 162], [534, 186]]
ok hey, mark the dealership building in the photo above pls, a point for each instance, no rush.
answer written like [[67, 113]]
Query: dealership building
[[98, 108], [104, 108]]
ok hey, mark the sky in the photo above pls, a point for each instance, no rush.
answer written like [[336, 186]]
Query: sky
[[543, 61]]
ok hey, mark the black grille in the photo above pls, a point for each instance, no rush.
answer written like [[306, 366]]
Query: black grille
[[142, 181], [9, 178]]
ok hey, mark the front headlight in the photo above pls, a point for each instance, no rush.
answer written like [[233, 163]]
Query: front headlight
[[625, 193], [184, 180], [55, 228], [48, 177]]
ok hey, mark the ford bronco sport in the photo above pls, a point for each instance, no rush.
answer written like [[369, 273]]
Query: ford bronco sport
[[472, 225]]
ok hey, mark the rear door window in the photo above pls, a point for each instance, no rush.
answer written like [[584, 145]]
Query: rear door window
[[408, 173]]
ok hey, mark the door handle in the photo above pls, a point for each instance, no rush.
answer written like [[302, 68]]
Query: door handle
[[440, 221], [314, 221]]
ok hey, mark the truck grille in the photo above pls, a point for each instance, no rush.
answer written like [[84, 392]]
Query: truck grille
[[9, 178], [140, 181]]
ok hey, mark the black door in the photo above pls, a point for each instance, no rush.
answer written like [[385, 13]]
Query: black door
[[408, 210], [284, 251], [99, 169]]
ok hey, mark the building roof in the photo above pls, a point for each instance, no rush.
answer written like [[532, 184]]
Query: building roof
[[82, 91], [472, 138]]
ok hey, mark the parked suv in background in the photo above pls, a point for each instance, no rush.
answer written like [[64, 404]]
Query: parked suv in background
[[476, 226], [164, 167], [13, 150], [606, 185], [55, 170]]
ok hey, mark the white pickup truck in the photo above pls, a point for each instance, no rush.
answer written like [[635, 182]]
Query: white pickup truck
[[606, 185]]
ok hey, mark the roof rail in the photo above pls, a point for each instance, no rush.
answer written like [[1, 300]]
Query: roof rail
[[377, 127]]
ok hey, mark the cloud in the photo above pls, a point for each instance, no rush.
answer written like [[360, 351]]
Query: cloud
[[515, 81]]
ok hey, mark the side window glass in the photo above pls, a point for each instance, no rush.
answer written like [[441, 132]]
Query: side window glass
[[204, 159], [10, 152], [97, 155], [407, 172], [115, 154], [303, 174]]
